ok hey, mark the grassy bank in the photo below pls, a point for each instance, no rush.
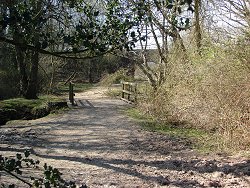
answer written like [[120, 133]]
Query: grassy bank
[[17, 102], [201, 140], [20, 108]]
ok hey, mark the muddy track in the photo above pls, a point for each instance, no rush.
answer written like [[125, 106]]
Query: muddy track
[[100, 146]]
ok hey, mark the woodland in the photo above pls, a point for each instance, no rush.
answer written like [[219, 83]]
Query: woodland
[[200, 51]]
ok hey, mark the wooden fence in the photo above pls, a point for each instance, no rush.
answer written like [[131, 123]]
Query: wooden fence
[[71, 93], [129, 93]]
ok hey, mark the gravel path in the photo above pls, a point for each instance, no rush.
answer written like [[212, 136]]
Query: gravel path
[[100, 146]]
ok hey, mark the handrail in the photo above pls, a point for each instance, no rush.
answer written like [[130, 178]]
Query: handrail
[[129, 93]]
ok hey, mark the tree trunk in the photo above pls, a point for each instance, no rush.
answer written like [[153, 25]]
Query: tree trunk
[[131, 69], [197, 25], [52, 75], [150, 77], [92, 69], [178, 41], [32, 89], [20, 58]]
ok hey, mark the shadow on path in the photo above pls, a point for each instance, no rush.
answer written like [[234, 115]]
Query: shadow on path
[[102, 129]]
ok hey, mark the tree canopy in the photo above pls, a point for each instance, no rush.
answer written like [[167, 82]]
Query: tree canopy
[[62, 27], [70, 26]]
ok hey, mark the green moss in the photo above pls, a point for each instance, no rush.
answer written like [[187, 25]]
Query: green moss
[[18, 102], [20, 108]]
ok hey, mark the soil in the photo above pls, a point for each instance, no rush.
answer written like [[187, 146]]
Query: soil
[[99, 145]]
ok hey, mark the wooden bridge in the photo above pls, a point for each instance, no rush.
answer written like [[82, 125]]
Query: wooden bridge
[[128, 94]]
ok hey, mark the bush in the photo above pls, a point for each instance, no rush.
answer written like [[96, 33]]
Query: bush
[[211, 92]]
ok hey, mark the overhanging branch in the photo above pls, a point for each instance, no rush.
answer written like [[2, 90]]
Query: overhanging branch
[[56, 54]]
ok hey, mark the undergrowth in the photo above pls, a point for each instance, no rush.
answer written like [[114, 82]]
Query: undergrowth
[[63, 89], [209, 92], [114, 92], [115, 78]]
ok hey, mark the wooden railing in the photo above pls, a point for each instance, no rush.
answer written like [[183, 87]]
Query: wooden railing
[[129, 93]]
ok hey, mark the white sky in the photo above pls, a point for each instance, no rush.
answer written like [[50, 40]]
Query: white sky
[[218, 22]]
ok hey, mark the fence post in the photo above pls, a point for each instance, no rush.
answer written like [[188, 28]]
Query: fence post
[[135, 91], [123, 88], [129, 92], [71, 93]]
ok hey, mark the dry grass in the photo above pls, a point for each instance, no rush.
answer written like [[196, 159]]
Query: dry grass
[[211, 92], [115, 78]]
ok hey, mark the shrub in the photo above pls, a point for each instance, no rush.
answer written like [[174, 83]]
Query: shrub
[[211, 92]]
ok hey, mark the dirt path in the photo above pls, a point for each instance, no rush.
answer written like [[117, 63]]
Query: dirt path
[[100, 146]]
